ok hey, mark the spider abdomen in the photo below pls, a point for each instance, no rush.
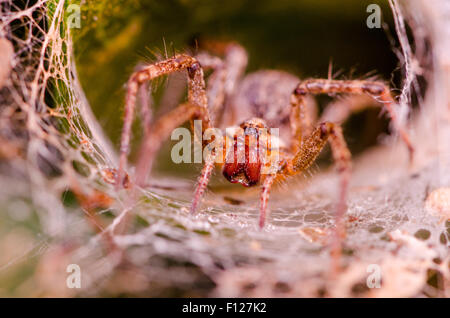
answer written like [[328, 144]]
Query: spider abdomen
[[266, 94]]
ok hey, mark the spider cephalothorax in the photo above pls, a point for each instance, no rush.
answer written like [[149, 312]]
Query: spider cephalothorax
[[261, 100]]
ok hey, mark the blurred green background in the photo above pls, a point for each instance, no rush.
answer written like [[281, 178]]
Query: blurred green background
[[297, 36]]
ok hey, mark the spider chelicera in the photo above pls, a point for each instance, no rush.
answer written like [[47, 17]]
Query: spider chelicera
[[268, 98]]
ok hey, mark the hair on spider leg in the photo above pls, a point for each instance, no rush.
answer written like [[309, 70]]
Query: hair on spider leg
[[332, 72], [149, 56], [315, 168], [193, 44], [372, 75], [154, 85], [165, 47], [159, 83], [160, 54], [155, 54], [351, 73]]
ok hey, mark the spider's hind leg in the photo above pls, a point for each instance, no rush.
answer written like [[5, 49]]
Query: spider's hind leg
[[227, 72], [376, 90]]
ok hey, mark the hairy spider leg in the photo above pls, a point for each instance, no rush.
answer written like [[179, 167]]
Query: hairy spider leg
[[377, 90], [145, 108], [221, 85], [309, 150], [195, 108], [202, 183], [308, 153], [216, 83], [310, 147], [227, 73], [339, 110], [264, 198]]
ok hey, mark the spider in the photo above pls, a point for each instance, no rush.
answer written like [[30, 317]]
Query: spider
[[267, 98]]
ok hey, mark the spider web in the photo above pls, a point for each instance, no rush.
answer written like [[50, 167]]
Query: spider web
[[51, 147], [50, 140]]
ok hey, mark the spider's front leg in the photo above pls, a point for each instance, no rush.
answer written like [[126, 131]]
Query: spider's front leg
[[307, 153], [264, 198], [341, 155], [309, 149], [221, 85], [196, 108]]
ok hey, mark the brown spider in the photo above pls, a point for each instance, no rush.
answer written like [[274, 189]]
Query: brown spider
[[260, 99]]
